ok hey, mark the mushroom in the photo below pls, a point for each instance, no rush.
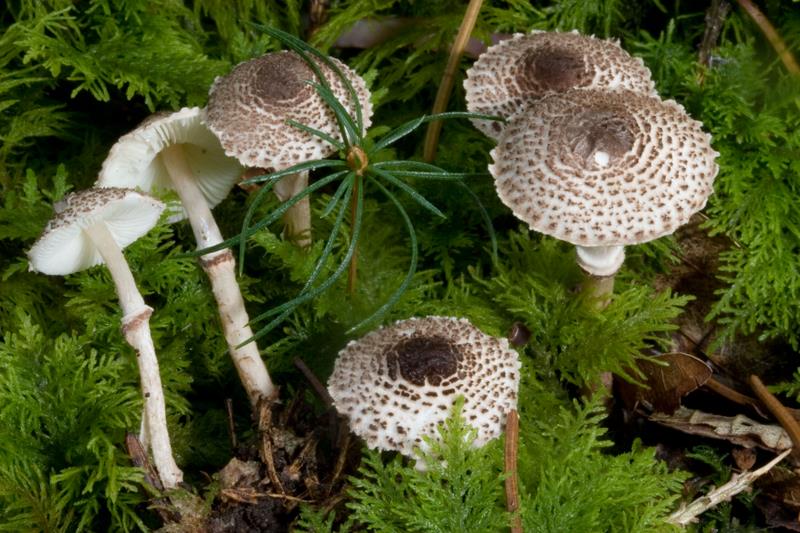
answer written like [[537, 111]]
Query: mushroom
[[176, 151], [92, 227], [602, 170], [249, 108], [398, 383], [515, 72]]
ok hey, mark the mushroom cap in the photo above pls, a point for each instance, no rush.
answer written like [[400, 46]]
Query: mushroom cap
[[398, 383], [517, 71], [64, 247], [599, 168], [133, 161], [248, 110]]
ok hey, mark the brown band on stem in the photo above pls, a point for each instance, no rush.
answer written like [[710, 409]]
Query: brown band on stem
[[220, 258], [131, 324], [784, 418], [512, 482]]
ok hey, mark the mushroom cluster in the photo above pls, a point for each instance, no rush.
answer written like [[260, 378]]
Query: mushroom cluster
[[398, 383], [199, 154], [589, 153]]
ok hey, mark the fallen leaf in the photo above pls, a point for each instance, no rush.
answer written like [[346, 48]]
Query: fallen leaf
[[668, 378]]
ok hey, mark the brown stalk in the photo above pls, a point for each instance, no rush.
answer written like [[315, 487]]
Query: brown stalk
[[265, 448], [772, 36], [231, 424], [781, 414], [358, 162], [316, 384], [446, 86], [512, 481], [715, 17]]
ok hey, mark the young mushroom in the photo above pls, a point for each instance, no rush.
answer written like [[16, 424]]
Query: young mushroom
[[249, 110], [398, 383], [176, 151], [515, 72], [92, 227], [602, 170]]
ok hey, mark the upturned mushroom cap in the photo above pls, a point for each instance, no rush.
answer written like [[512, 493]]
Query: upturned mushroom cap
[[64, 248], [133, 162], [598, 168], [398, 383], [515, 72], [248, 110]]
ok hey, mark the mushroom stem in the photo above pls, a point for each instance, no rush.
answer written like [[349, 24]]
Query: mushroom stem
[[298, 217], [600, 263], [220, 268], [136, 328]]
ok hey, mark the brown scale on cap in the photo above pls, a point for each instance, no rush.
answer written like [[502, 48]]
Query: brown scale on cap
[[248, 110], [612, 168], [403, 380], [515, 72]]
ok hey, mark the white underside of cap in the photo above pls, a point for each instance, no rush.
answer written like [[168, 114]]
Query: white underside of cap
[[600, 260]]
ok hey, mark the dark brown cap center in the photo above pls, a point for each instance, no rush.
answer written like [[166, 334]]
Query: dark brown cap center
[[554, 69], [598, 138], [418, 359], [281, 77]]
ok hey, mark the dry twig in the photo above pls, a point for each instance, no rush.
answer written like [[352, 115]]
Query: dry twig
[[512, 482], [446, 86], [781, 414], [772, 36], [739, 482], [715, 16]]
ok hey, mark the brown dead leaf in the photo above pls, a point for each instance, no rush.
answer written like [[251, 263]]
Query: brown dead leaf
[[668, 378], [779, 498], [744, 458]]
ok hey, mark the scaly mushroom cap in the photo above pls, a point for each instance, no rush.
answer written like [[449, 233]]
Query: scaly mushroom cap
[[248, 110], [598, 168], [133, 161], [511, 74], [398, 383], [64, 248]]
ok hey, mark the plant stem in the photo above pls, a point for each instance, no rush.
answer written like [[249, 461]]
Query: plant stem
[[446, 85], [784, 418], [715, 17], [772, 36], [220, 268], [511, 482], [352, 271], [136, 329]]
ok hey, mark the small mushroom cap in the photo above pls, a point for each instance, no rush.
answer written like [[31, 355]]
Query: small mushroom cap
[[511, 74], [599, 168], [64, 247], [398, 383], [133, 161], [248, 110]]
